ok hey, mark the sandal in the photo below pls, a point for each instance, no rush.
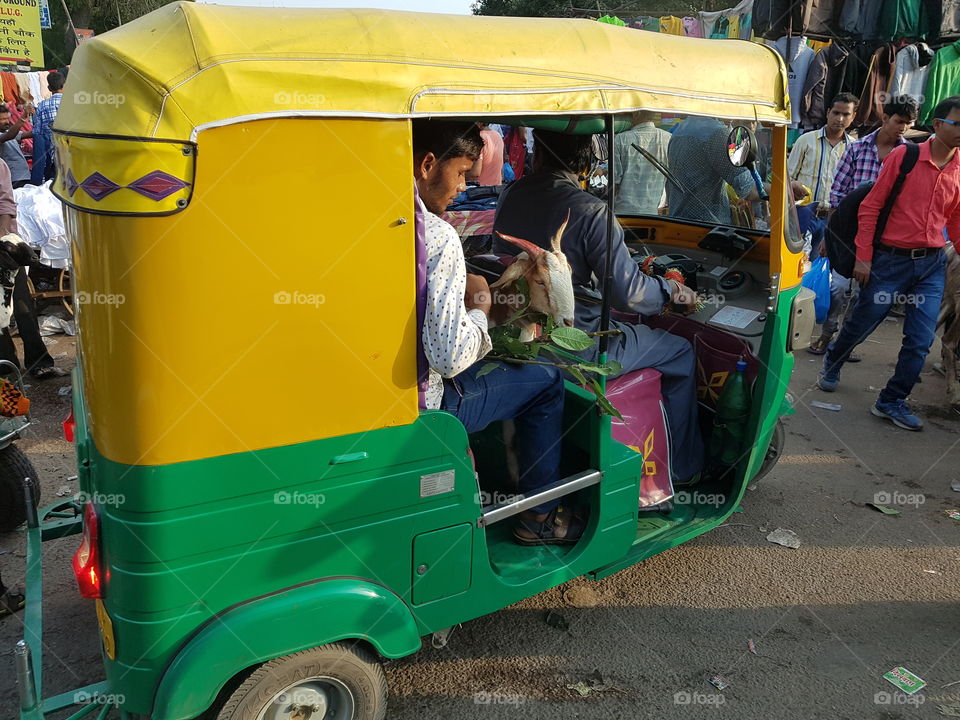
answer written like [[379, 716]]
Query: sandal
[[46, 373], [560, 527], [819, 346], [11, 602]]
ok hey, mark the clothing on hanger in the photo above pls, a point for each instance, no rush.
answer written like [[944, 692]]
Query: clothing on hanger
[[671, 25], [943, 80], [814, 100], [692, 27], [773, 18], [903, 19], [798, 56], [858, 18], [909, 76], [882, 68]]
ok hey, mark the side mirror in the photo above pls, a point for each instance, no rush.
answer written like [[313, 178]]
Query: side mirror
[[741, 146]]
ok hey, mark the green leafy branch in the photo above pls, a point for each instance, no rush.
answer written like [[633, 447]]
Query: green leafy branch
[[556, 347]]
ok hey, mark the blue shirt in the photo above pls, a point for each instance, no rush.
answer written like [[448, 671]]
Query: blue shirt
[[43, 136]]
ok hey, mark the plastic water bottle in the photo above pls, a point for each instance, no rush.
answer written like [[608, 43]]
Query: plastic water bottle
[[730, 420]]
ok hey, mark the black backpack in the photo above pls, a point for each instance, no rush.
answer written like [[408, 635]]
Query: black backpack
[[841, 231]]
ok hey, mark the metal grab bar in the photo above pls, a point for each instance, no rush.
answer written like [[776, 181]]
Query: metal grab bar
[[495, 513]]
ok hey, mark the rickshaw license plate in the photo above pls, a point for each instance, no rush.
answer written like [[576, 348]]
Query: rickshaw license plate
[[106, 630]]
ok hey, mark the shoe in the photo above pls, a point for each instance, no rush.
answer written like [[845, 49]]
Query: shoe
[[898, 413], [854, 358], [828, 382], [560, 527]]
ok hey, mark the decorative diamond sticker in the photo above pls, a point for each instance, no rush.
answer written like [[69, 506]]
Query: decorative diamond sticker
[[71, 183], [157, 185], [98, 186]]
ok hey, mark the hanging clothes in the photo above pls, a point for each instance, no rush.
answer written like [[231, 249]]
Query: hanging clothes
[[773, 18], [943, 81], [814, 101], [903, 19], [853, 73], [708, 21], [858, 18], [817, 45], [23, 87], [946, 23], [818, 18], [671, 25], [798, 61], [882, 68], [647, 23], [692, 27], [911, 71], [38, 86]]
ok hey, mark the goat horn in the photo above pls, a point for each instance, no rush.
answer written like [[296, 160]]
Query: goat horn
[[555, 240], [532, 250]]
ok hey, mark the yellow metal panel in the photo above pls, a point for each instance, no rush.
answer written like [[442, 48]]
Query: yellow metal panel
[[278, 307], [782, 260], [188, 65]]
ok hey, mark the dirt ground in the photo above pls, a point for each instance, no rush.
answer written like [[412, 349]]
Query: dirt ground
[[864, 593]]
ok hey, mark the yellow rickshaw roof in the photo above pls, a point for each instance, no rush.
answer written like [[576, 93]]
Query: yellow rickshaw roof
[[188, 66]]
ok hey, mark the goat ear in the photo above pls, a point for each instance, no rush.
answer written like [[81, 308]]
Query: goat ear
[[515, 270], [558, 235], [532, 250]]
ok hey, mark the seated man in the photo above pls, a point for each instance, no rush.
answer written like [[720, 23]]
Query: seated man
[[455, 339], [534, 206]]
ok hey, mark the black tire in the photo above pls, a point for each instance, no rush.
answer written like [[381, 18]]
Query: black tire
[[294, 676], [14, 467], [774, 451]]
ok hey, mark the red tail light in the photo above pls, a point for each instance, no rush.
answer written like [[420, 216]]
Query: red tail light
[[87, 565], [69, 427]]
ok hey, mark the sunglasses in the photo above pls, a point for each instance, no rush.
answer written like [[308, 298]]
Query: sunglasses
[[955, 123]]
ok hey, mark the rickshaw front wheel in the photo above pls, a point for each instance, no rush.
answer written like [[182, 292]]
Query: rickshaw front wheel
[[330, 682]]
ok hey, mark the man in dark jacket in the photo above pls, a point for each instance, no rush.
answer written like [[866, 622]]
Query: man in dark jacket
[[534, 207]]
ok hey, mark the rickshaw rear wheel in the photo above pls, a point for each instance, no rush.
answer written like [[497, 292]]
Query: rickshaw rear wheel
[[14, 467], [330, 682], [774, 451]]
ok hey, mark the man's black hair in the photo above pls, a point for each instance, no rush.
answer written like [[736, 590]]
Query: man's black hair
[[903, 105], [563, 151], [945, 106], [55, 81], [447, 139], [846, 97]]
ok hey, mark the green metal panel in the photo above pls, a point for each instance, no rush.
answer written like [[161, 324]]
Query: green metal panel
[[441, 565]]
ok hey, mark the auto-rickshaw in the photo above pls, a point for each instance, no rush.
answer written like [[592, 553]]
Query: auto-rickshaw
[[266, 511]]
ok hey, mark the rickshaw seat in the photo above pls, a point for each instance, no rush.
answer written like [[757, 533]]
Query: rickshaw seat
[[637, 396]]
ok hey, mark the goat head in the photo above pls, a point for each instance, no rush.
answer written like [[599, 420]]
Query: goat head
[[548, 276]]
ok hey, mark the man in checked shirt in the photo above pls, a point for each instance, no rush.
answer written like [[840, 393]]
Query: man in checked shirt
[[455, 339], [907, 263]]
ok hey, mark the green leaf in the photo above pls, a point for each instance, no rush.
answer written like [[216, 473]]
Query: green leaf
[[575, 371], [605, 405], [571, 338], [608, 368], [489, 367]]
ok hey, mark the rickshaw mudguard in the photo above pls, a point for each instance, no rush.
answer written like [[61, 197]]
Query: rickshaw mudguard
[[260, 630]]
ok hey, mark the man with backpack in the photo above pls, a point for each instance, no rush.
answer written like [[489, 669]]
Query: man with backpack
[[860, 164], [899, 254]]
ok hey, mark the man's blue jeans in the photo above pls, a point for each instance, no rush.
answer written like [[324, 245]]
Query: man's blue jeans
[[920, 284], [532, 395]]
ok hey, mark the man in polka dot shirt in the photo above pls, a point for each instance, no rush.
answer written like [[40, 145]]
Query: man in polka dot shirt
[[455, 338]]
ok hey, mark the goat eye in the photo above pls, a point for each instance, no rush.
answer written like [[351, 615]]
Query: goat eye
[[540, 282]]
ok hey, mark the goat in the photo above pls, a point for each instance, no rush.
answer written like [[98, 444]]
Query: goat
[[14, 254], [549, 279], [949, 320]]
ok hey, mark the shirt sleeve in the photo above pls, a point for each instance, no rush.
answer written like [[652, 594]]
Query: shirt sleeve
[[453, 337], [953, 228], [873, 203], [795, 158], [633, 291], [843, 177]]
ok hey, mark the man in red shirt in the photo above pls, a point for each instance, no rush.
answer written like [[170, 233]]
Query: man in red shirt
[[907, 263]]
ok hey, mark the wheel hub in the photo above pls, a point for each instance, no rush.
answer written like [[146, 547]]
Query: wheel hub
[[322, 698]]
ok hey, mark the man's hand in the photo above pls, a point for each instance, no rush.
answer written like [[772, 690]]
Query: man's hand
[[799, 191], [478, 294], [682, 295], [28, 110], [861, 272]]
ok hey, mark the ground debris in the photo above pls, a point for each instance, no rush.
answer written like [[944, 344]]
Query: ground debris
[[719, 682], [556, 620], [595, 682], [785, 537], [580, 597], [883, 508]]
